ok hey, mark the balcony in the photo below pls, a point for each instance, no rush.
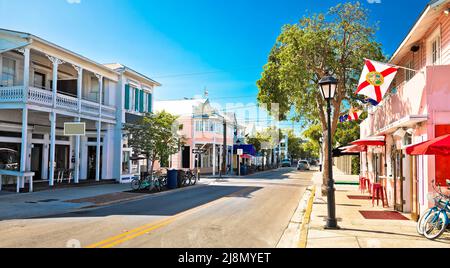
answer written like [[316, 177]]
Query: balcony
[[64, 103]]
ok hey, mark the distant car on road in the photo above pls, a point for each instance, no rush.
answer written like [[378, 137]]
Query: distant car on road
[[286, 163], [303, 165]]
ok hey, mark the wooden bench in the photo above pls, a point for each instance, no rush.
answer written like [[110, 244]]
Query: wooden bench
[[20, 178]]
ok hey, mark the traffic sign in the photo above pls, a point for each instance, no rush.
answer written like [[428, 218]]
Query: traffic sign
[[198, 151]]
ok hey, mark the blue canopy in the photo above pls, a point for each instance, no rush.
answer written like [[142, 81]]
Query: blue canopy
[[248, 149]]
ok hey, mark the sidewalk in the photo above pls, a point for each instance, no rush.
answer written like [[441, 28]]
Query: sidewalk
[[358, 231]]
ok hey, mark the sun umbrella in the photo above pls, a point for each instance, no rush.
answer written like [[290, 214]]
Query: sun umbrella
[[436, 146]]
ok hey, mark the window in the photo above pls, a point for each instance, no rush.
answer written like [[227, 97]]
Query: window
[[434, 48], [435, 51], [409, 74], [8, 72], [39, 80], [199, 126]]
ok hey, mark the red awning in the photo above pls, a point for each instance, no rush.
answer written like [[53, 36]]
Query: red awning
[[437, 146], [371, 141], [355, 149], [246, 156]]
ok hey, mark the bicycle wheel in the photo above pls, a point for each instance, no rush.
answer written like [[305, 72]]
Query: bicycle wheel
[[422, 220], [135, 184], [151, 184], [435, 225], [194, 179]]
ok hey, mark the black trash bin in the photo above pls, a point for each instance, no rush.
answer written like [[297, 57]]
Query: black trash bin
[[180, 177], [172, 176]]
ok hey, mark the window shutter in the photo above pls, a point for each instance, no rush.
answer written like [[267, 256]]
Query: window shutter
[[136, 99], [127, 97], [149, 103], [141, 101]]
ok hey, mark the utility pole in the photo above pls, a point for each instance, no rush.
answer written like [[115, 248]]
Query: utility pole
[[225, 149]]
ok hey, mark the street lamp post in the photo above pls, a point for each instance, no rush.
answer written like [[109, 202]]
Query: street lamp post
[[328, 85]]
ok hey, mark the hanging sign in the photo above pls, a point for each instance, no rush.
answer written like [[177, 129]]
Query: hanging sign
[[74, 129]]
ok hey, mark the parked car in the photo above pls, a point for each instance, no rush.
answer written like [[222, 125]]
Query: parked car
[[303, 165], [286, 163]]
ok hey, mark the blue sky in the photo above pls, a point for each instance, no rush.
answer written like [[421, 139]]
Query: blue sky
[[188, 45]]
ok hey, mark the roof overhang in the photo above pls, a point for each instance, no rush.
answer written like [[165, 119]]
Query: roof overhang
[[422, 25], [407, 121], [8, 43]]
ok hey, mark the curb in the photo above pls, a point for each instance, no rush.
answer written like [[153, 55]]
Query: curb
[[291, 234], [306, 219]]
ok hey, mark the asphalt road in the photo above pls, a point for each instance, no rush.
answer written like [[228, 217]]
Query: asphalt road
[[250, 212]]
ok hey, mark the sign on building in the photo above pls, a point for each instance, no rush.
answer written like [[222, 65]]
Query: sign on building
[[74, 129], [240, 152]]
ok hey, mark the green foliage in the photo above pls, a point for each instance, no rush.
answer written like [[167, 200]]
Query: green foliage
[[338, 42], [154, 135], [356, 165]]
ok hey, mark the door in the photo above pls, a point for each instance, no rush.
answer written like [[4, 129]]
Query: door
[[36, 160], [186, 157], [92, 162], [415, 209], [398, 180]]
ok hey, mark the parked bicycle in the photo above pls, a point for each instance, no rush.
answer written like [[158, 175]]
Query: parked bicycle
[[149, 183], [433, 223], [188, 178]]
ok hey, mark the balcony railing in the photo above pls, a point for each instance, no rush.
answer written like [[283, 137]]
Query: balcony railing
[[44, 98]]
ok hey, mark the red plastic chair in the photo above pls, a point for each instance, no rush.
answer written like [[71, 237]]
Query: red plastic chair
[[364, 184]]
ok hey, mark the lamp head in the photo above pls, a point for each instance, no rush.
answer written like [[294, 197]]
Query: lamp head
[[328, 85]]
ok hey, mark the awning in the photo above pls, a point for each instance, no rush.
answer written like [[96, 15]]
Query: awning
[[371, 141], [354, 149], [246, 156], [437, 146]]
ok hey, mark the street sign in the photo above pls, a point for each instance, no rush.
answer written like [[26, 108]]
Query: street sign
[[198, 151], [74, 129], [240, 152]]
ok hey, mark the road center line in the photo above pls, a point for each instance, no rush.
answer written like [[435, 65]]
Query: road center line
[[144, 229]]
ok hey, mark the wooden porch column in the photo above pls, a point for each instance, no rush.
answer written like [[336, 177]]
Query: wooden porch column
[[24, 145], [99, 128], [56, 62], [78, 119]]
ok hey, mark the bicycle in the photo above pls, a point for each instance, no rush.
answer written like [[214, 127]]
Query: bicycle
[[148, 183], [435, 220]]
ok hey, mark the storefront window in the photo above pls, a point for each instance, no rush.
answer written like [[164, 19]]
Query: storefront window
[[125, 160]]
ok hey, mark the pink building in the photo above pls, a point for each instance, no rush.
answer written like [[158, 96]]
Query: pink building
[[201, 126], [416, 109]]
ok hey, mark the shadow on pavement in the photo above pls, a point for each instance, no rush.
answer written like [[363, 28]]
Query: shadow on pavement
[[165, 205]]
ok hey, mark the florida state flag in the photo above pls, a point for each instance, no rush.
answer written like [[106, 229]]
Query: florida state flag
[[376, 79], [354, 114]]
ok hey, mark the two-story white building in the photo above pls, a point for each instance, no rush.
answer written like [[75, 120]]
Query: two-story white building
[[42, 86]]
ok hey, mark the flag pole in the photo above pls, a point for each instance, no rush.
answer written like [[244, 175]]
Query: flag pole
[[396, 66]]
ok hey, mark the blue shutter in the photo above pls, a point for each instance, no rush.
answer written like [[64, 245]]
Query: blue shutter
[[127, 97], [141, 101], [136, 99]]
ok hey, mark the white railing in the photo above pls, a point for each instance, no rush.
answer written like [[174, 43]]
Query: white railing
[[11, 94], [108, 112], [90, 108], [44, 97], [40, 96], [67, 103]]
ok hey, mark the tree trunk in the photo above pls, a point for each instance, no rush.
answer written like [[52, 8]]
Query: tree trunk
[[325, 165]]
